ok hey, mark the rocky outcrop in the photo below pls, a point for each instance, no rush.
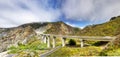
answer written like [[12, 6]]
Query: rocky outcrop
[[14, 36], [60, 28]]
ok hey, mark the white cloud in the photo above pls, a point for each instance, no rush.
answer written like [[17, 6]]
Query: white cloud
[[24, 11], [77, 9], [17, 12], [94, 11]]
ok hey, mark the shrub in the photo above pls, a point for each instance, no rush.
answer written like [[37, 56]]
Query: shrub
[[72, 42]]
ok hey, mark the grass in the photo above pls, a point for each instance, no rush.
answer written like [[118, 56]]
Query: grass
[[111, 52], [32, 49], [77, 51], [95, 49], [36, 45], [115, 52]]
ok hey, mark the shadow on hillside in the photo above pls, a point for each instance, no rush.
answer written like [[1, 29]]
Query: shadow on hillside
[[100, 43], [85, 45]]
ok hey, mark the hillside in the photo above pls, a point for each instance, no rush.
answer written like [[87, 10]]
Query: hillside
[[13, 36], [22, 33], [53, 28], [110, 28], [113, 48], [61, 28]]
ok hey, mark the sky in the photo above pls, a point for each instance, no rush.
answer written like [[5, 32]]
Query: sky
[[77, 13]]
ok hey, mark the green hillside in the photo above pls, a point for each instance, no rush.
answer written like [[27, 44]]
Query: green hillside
[[109, 28]]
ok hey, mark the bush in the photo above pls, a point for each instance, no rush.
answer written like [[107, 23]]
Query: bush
[[72, 42]]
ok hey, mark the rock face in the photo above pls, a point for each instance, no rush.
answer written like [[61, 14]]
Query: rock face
[[60, 28], [14, 36]]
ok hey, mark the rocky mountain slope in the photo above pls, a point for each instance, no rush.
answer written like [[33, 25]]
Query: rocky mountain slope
[[22, 33], [61, 28], [15, 35]]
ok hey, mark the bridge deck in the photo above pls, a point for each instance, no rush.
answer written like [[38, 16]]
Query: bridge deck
[[96, 38]]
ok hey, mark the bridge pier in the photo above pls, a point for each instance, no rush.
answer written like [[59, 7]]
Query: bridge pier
[[48, 41], [63, 41], [42, 38], [45, 39], [54, 42], [82, 43]]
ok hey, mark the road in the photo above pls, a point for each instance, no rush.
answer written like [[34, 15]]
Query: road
[[50, 52]]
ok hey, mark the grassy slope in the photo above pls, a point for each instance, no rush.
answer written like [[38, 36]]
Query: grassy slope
[[32, 49], [76, 51], [109, 28], [113, 48]]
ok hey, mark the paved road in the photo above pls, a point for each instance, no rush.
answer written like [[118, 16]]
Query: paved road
[[9, 55], [50, 52], [4, 54]]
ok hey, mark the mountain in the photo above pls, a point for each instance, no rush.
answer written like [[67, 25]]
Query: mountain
[[13, 36], [110, 28], [61, 28], [22, 33], [53, 28]]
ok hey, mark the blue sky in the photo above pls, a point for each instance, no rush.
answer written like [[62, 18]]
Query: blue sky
[[77, 13]]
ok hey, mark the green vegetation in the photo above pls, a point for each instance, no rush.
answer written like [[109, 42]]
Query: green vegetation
[[72, 42], [113, 48], [77, 51], [32, 49], [110, 28]]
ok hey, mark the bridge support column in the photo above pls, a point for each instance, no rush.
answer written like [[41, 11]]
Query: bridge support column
[[42, 38], [48, 41], [45, 39], [54, 42], [63, 41], [82, 42]]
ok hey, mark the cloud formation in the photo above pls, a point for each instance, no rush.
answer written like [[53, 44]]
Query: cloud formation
[[94, 11], [17, 12]]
